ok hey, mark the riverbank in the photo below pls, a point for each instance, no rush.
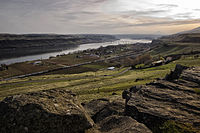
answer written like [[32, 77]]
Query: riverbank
[[64, 52], [83, 61], [22, 45]]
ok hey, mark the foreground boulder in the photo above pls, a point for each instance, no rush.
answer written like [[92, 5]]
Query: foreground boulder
[[163, 100], [109, 117], [99, 109], [50, 111], [122, 124]]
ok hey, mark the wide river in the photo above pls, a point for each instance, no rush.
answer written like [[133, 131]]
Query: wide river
[[79, 48]]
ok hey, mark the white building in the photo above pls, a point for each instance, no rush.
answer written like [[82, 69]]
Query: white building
[[111, 68], [37, 62]]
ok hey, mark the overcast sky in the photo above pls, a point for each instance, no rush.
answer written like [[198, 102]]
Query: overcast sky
[[98, 16]]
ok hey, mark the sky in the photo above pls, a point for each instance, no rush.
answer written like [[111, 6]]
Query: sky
[[99, 16]]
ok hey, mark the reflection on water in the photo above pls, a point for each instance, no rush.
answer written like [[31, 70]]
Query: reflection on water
[[79, 48]]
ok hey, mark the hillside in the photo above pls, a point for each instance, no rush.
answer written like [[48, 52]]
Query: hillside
[[184, 38], [79, 89], [196, 30], [168, 105], [138, 36], [21, 45], [184, 42], [191, 36]]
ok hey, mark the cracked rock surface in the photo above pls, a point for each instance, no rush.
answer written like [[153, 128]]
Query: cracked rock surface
[[49, 111], [164, 100]]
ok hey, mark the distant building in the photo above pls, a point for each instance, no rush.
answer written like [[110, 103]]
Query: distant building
[[158, 63], [111, 68], [37, 63], [87, 53]]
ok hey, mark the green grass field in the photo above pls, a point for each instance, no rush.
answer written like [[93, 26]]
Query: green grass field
[[175, 48], [48, 64], [90, 85]]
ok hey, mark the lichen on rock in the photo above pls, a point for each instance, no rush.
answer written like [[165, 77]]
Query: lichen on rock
[[49, 111]]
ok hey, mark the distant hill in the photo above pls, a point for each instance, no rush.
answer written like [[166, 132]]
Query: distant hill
[[138, 36], [196, 30], [183, 42], [190, 36], [14, 45]]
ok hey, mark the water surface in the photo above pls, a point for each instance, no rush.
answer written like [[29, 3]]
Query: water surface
[[79, 48]]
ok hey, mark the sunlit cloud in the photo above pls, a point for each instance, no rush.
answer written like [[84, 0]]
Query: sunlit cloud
[[98, 16]]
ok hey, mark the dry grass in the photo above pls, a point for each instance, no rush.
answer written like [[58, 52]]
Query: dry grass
[[91, 85]]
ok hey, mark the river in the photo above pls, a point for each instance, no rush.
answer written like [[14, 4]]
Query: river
[[79, 48]]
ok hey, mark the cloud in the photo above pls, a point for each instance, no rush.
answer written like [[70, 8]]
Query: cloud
[[167, 23], [89, 16], [167, 5], [149, 12]]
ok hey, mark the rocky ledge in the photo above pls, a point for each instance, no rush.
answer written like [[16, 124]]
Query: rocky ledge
[[109, 117], [175, 99], [51, 111]]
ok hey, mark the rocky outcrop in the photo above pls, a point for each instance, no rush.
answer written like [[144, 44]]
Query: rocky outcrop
[[122, 124], [191, 77], [99, 109], [109, 117], [163, 100], [176, 73], [50, 111], [53, 111]]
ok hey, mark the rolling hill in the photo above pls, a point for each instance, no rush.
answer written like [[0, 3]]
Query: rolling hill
[[180, 43], [196, 30]]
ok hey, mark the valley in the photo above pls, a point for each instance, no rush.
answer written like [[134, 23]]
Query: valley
[[99, 66], [13, 45], [100, 76]]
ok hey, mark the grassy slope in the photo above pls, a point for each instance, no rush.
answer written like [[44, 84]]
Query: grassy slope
[[175, 48], [175, 44], [29, 67], [91, 85]]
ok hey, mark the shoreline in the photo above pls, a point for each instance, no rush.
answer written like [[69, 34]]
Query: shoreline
[[12, 46], [54, 53]]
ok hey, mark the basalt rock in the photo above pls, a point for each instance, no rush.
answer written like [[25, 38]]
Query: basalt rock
[[122, 124], [50, 111], [176, 73], [192, 75], [163, 100], [99, 109], [109, 117]]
